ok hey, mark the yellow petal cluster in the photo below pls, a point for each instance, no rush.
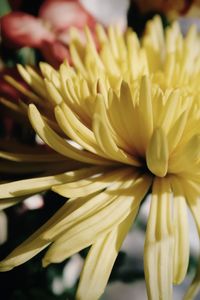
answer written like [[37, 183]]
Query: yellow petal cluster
[[128, 117]]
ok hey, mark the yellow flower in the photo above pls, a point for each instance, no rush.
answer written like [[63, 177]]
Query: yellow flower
[[130, 116]]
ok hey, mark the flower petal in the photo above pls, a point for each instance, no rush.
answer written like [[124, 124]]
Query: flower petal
[[59, 144], [157, 153], [20, 29], [86, 187], [103, 134], [62, 14], [181, 231], [32, 246], [93, 203], [145, 112], [88, 229], [158, 252], [100, 260], [192, 194], [34, 185]]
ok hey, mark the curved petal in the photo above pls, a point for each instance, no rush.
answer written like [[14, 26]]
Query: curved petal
[[33, 185], [62, 14], [19, 29], [102, 255], [59, 144], [88, 229], [100, 260]]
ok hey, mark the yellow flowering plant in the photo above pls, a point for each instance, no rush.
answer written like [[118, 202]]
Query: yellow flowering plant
[[128, 117]]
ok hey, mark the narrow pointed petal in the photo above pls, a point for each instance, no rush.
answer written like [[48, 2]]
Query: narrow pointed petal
[[40, 239], [87, 206], [32, 79], [88, 186], [33, 245], [158, 252], [103, 134], [145, 110], [181, 232], [59, 144], [74, 131], [157, 153], [86, 231], [100, 260], [176, 131], [35, 185]]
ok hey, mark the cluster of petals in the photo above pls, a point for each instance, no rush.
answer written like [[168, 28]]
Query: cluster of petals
[[124, 122]]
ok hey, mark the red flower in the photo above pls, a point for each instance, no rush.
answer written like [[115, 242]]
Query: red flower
[[46, 32]]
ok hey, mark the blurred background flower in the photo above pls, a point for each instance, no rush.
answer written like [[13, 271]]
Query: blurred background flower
[[49, 31]]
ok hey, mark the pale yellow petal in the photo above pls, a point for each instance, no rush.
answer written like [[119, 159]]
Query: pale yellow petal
[[186, 157], [181, 231], [145, 111], [33, 245], [157, 153], [158, 251], [192, 195], [91, 185], [53, 94], [100, 260], [73, 130], [86, 231], [57, 143], [103, 134], [35, 185], [176, 131], [23, 90], [33, 79]]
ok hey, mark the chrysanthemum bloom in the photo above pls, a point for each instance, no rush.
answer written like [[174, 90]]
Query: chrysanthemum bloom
[[132, 111]]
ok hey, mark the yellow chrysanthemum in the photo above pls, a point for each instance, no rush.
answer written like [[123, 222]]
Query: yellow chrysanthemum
[[132, 111]]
